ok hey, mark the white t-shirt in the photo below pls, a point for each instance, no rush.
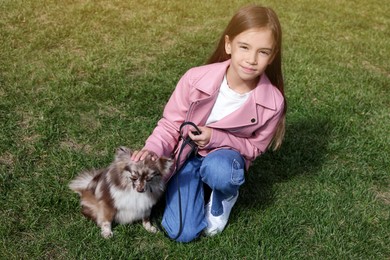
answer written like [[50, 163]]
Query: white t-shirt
[[227, 102]]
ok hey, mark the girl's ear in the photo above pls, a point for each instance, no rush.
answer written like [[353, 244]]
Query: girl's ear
[[272, 58], [273, 55], [228, 45]]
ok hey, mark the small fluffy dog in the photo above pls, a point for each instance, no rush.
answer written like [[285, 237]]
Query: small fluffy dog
[[124, 192]]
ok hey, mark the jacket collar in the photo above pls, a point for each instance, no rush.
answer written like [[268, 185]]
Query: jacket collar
[[264, 93], [212, 77]]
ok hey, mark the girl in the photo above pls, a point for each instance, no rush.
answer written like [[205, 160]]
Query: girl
[[237, 101]]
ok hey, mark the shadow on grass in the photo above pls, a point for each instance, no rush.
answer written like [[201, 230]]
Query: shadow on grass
[[302, 152]]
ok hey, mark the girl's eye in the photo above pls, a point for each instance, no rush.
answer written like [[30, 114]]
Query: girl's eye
[[264, 53], [243, 47]]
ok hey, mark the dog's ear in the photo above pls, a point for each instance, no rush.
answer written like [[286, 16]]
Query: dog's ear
[[164, 165], [123, 152]]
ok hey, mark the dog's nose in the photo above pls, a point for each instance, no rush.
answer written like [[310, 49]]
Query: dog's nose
[[140, 189]]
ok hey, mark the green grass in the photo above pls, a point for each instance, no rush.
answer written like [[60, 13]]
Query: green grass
[[80, 78]]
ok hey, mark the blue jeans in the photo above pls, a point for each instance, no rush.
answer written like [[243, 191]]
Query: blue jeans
[[222, 170]]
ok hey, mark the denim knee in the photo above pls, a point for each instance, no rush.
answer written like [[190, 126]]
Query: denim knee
[[185, 215], [223, 170], [185, 236], [190, 228]]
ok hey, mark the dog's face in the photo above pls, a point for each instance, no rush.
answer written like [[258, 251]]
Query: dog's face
[[142, 175]]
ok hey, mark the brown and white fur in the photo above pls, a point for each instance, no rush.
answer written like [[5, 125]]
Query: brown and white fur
[[124, 192]]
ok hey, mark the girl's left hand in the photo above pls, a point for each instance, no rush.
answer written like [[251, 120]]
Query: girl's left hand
[[203, 139]]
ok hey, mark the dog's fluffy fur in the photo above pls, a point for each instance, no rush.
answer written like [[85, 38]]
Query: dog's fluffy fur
[[124, 192]]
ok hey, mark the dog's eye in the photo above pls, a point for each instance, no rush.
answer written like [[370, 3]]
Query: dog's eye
[[151, 176]]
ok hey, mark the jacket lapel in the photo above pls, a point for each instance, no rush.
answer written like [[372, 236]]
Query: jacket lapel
[[247, 115], [210, 83]]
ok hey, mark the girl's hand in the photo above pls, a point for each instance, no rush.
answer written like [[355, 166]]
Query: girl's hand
[[141, 155], [203, 139]]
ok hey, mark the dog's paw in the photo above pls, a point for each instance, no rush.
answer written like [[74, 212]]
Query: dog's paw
[[152, 229], [107, 233], [148, 226], [106, 230]]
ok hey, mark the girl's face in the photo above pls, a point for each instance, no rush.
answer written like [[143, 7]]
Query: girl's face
[[251, 51]]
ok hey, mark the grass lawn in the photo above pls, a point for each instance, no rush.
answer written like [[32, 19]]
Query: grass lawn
[[80, 78]]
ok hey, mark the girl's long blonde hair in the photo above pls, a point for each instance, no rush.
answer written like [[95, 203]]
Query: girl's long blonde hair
[[249, 17]]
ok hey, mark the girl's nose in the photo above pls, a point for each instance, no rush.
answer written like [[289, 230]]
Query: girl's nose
[[252, 58]]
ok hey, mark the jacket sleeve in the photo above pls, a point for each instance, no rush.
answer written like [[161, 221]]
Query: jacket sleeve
[[250, 147], [164, 137]]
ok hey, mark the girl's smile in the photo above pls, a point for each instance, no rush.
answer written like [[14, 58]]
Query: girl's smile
[[248, 70]]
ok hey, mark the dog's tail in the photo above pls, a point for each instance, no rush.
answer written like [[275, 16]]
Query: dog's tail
[[85, 181]]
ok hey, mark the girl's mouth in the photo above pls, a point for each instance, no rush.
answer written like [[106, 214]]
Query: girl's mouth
[[248, 70]]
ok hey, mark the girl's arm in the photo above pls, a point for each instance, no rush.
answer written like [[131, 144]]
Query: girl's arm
[[250, 147], [164, 137]]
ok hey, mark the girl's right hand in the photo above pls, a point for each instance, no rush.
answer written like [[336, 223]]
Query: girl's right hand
[[141, 155], [201, 140]]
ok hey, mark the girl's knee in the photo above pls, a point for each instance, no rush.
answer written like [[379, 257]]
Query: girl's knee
[[224, 160], [187, 233], [223, 169], [186, 236]]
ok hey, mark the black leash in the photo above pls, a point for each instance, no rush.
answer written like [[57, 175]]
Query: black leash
[[194, 150]]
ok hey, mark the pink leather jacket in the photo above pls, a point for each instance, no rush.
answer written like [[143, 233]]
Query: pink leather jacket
[[248, 130]]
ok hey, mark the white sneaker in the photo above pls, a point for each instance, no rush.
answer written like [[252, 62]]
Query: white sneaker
[[216, 224]]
